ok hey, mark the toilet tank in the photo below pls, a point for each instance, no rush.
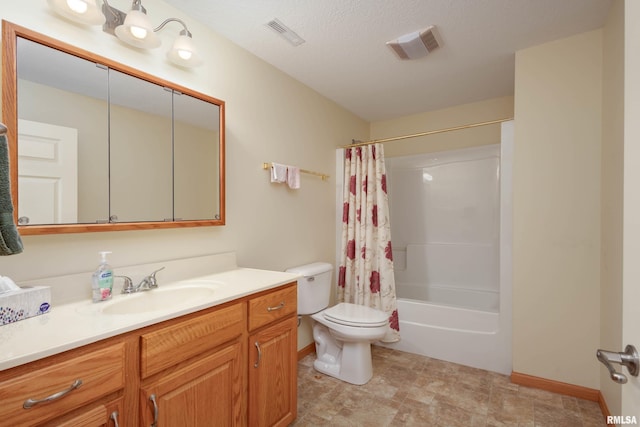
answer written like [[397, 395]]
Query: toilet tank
[[314, 288]]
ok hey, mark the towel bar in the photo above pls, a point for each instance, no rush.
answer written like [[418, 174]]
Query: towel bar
[[308, 172]]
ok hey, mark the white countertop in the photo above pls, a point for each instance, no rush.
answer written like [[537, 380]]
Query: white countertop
[[76, 324]]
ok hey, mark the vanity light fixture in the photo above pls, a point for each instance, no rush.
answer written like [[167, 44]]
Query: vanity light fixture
[[80, 11], [137, 30], [133, 28]]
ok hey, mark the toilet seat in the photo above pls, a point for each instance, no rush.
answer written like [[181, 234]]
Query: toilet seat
[[355, 315]]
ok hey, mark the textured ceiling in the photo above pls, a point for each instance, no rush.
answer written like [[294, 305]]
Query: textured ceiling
[[345, 57]]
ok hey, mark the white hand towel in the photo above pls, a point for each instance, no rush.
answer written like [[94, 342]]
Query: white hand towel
[[293, 177], [278, 172]]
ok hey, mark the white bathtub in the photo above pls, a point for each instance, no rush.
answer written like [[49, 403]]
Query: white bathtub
[[460, 335]]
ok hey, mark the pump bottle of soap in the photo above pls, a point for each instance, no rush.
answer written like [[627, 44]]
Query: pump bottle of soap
[[102, 280]]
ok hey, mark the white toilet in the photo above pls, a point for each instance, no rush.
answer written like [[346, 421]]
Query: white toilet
[[343, 333]]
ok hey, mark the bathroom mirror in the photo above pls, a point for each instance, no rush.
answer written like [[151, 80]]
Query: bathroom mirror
[[98, 146]]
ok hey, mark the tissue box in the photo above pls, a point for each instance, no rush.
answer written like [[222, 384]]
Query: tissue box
[[27, 302]]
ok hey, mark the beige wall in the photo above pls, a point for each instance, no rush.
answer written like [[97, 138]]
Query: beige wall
[[269, 117], [556, 213], [492, 109], [612, 197]]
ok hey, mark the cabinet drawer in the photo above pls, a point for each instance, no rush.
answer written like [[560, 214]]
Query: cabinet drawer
[[170, 345], [101, 373], [272, 306]]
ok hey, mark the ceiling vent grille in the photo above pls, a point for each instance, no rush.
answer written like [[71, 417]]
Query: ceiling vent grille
[[285, 32], [415, 45]]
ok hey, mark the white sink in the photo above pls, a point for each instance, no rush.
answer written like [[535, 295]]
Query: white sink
[[187, 294]]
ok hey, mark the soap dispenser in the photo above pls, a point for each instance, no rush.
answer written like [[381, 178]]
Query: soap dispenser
[[102, 280]]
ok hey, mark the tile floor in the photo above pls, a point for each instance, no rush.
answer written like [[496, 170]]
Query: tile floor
[[411, 390]]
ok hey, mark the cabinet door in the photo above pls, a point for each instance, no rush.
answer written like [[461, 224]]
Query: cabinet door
[[109, 415], [207, 392], [273, 375]]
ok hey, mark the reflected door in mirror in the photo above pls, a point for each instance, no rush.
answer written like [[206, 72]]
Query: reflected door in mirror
[[47, 174], [68, 92]]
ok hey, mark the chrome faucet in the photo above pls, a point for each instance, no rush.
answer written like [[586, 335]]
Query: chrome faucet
[[146, 284]]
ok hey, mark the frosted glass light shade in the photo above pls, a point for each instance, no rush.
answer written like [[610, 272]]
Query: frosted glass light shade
[[86, 12], [184, 53], [137, 31]]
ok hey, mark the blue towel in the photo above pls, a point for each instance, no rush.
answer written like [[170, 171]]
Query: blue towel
[[10, 242]]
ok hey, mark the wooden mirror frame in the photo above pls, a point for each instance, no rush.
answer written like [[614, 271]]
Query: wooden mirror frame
[[10, 34]]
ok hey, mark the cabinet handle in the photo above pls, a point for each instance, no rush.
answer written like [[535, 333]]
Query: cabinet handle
[[152, 398], [255, 365], [277, 307], [114, 417], [30, 403]]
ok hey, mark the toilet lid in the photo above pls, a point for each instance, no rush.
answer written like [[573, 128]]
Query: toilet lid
[[356, 315]]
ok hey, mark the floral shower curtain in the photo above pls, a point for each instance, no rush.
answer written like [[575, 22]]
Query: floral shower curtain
[[366, 270]]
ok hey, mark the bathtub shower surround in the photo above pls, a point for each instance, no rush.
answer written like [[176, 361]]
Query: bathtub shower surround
[[451, 222], [445, 217], [366, 268]]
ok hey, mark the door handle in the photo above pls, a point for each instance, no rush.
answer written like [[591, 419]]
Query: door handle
[[629, 358]]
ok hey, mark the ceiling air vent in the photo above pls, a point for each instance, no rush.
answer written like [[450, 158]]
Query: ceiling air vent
[[415, 45], [285, 32]]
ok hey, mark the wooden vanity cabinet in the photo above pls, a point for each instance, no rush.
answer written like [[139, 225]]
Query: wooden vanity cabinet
[[229, 365], [273, 358]]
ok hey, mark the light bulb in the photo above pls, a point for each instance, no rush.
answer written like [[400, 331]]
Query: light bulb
[[78, 6], [138, 32], [185, 54]]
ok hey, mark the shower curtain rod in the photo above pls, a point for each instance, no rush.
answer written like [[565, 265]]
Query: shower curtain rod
[[431, 132]]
